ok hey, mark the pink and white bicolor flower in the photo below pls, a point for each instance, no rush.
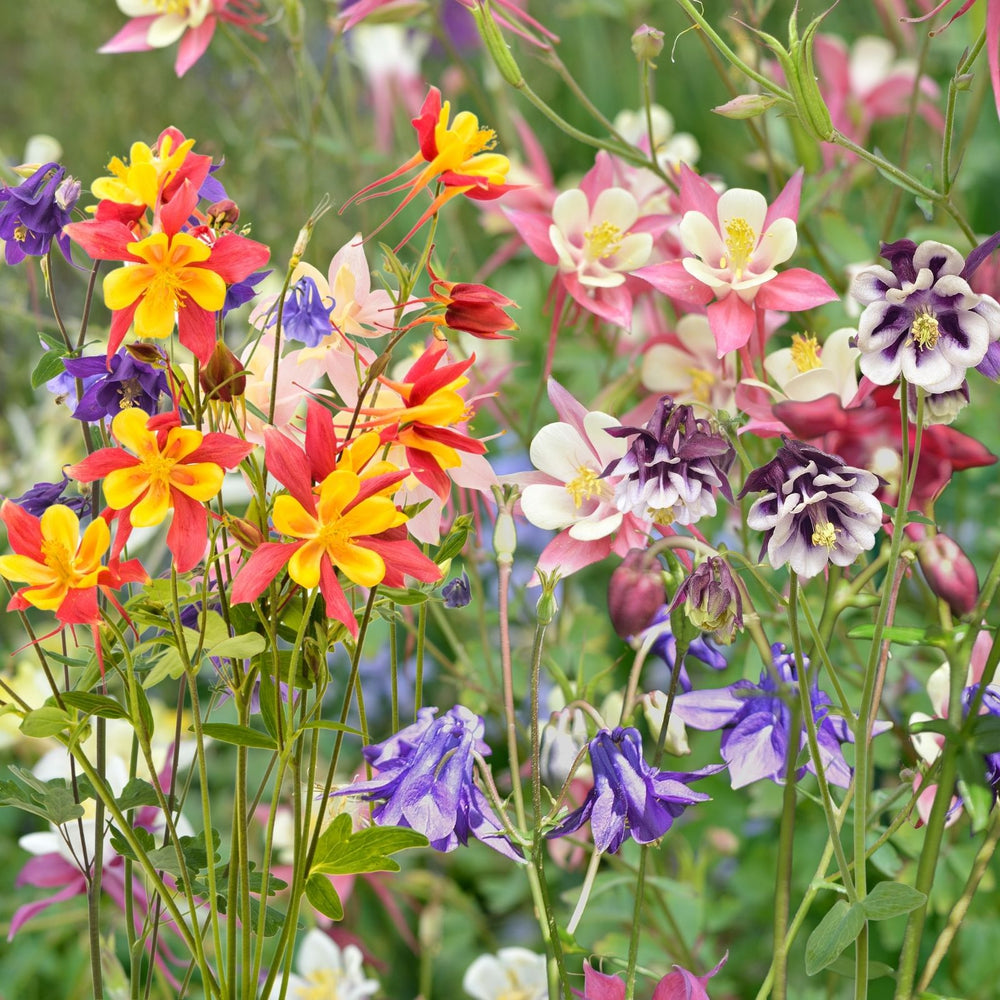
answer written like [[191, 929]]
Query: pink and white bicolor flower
[[735, 242]]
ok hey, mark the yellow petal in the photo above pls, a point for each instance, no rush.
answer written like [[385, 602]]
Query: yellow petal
[[24, 569], [204, 286], [336, 492], [361, 565], [156, 315], [199, 480], [130, 430], [304, 566], [181, 441], [96, 540], [61, 526], [124, 486], [125, 284], [292, 519], [49, 597], [371, 516], [153, 507]]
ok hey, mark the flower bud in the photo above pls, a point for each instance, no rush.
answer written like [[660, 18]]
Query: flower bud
[[563, 737], [654, 705], [746, 106], [456, 592], [223, 377], [647, 44], [246, 533], [498, 49], [148, 354], [712, 600], [635, 592], [223, 214], [949, 572]]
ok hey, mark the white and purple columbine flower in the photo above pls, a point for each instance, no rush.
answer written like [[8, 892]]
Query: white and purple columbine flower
[[757, 718], [815, 510], [672, 467], [425, 779], [922, 320], [629, 799]]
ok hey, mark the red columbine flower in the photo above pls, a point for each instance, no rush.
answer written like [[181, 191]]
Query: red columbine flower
[[62, 569], [458, 156], [473, 309], [172, 467], [348, 522], [172, 276]]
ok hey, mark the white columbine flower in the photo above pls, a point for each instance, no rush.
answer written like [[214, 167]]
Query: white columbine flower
[[511, 974], [327, 972]]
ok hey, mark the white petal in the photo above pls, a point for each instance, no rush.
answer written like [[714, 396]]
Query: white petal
[[617, 206], [551, 507], [559, 451], [745, 204], [700, 236], [571, 214], [776, 245], [166, 30]]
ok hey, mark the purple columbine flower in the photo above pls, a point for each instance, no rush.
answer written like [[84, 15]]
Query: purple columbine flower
[[116, 385], [305, 317], [241, 292], [757, 718], [41, 496], [922, 320], [425, 777], [34, 212], [457, 592], [815, 510], [673, 466], [629, 799]]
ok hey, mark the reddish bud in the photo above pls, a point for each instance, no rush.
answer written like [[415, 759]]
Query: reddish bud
[[147, 354], [949, 572], [635, 592], [246, 533], [222, 378], [473, 309], [223, 214]]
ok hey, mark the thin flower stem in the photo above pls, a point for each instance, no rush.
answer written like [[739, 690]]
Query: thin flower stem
[[588, 884], [949, 116], [504, 566]]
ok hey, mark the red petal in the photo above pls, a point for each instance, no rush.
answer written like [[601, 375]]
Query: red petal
[[188, 534], [426, 122], [98, 465], [24, 531], [79, 607], [223, 449], [175, 213], [336, 603], [260, 569], [196, 330], [289, 464], [120, 322], [402, 558], [233, 257], [321, 440]]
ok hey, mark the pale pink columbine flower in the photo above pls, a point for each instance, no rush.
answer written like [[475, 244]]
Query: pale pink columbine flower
[[670, 148], [734, 241], [568, 493], [154, 25]]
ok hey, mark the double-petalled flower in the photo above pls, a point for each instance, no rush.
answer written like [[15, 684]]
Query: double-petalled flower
[[166, 467]]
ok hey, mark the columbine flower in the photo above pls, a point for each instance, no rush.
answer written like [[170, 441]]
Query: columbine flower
[[734, 242], [712, 600], [629, 799], [757, 722], [672, 466], [458, 156], [511, 974], [171, 467], [425, 777], [677, 985], [305, 316], [469, 308], [41, 496], [34, 212], [155, 25], [325, 970], [922, 321], [815, 510], [61, 568], [116, 385], [456, 593]]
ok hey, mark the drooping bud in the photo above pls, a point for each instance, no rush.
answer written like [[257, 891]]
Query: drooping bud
[[949, 572], [148, 354], [456, 592], [223, 377], [647, 44], [635, 592], [712, 600]]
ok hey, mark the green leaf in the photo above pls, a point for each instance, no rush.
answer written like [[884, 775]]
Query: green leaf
[[241, 736], [986, 734], [49, 366], [52, 800], [407, 597], [95, 704], [337, 727], [835, 932], [49, 720], [269, 703], [844, 966], [455, 540], [890, 899], [905, 635], [193, 850], [137, 793], [324, 897], [366, 850], [240, 647], [146, 841]]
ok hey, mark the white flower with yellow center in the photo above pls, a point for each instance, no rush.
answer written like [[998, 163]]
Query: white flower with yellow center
[[809, 370], [326, 972], [172, 17], [511, 974]]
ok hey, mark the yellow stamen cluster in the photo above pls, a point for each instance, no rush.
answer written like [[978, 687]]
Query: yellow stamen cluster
[[925, 330], [171, 6], [603, 240], [825, 535], [741, 241], [702, 381], [586, 485], [322, 986], [805, 352], [20, 232]]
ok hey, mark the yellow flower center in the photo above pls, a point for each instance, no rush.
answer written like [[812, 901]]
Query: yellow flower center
[[603, 240], [59, 559], [925, 330], [516, 992], [825, 535], [702, 381], [805, 352], [662, 517], [741, 240], [131, 392], [171, 6], [322, 986], [20, 232], [587, 484], [157, 466]]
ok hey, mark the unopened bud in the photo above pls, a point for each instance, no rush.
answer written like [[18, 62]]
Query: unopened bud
[[654, 706], [67, 193], [498, 49], [245, 532], [223, 377], [712, 600], [148, 354], [635, 592], [457, 592], [746, 106], [949, 572], [563, 737], [223, 214], [647, 44]]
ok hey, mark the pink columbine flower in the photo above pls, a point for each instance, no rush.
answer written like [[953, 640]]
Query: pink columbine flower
[[734, 243], [151, 26], [676, 985]]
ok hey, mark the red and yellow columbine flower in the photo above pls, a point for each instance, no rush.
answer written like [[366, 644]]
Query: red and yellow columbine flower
[[348, 523], [458, 156], [171, 276], [62, 569], [469, 308], [169, 467]]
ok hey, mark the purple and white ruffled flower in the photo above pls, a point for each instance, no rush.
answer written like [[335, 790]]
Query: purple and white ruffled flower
[[922, 320], [673, 466], [425, 779], [629, 799], [815, 510]]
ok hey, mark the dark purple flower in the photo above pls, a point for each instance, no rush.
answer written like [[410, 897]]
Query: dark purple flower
[[673, 466], [922, 320], [41, 496], [629, 798], [305, 316], [116, 385], [665, 647], [757, 721], [815, 510], [712, 600], [425, 777], [34, 212], [456, 592]]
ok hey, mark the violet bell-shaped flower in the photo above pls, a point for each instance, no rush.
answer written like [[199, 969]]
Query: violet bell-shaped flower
[[756, 721], [34, 212], [673, 466], [815, 510], [922, 321], [115, 384], [629, 799], [425, 781]]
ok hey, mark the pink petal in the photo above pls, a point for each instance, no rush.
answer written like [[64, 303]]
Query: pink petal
[[336, 602], [599, 986], [672, 279], [193, 45], [786, 205], [289, 464], [793, 290], [612, 304], [234, 257], [697, 195], [107, 240], [260, 569], [196, 330], [533, 228], [131, 38], [993, 47], [731, 321], [568, 555]]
